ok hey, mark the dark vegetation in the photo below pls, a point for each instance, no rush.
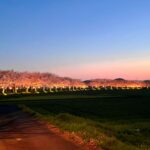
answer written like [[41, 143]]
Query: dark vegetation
[[115, 119]]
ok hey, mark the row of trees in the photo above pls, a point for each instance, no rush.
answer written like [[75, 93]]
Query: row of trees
[[25, 80]]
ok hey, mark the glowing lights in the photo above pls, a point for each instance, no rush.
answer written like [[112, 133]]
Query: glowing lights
[[13, 82]]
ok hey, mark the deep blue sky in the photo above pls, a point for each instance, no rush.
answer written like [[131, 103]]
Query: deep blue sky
[[77, 38]]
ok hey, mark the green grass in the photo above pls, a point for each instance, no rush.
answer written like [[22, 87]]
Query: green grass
[[118, 120]]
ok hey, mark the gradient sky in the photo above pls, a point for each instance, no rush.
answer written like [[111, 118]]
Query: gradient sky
[[77, 38]]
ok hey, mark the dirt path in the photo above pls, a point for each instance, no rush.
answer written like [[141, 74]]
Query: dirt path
[[22, 132]]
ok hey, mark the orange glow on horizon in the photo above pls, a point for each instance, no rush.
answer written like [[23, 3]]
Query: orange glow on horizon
[[130, 70], [15, 80]]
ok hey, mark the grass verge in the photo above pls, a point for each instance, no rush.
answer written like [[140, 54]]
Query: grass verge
[[87, 129]]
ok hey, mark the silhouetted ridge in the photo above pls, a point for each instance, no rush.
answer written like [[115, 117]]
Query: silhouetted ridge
[[119, 79]]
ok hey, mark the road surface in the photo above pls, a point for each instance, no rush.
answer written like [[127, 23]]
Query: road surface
[[19, 131]]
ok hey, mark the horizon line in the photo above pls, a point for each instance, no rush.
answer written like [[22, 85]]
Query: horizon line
[[47, 72]]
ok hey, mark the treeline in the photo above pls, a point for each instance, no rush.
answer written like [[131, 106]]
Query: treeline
[[36, 79]]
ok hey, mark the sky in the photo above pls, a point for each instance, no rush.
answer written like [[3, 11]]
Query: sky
[[83, 39]]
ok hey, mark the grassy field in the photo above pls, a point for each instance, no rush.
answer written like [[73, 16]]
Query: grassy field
[[116, 120]]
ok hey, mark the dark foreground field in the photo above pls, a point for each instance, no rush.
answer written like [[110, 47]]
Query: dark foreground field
[[119, 121]]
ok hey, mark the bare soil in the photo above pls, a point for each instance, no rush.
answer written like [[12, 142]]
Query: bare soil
[[20, 131]]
